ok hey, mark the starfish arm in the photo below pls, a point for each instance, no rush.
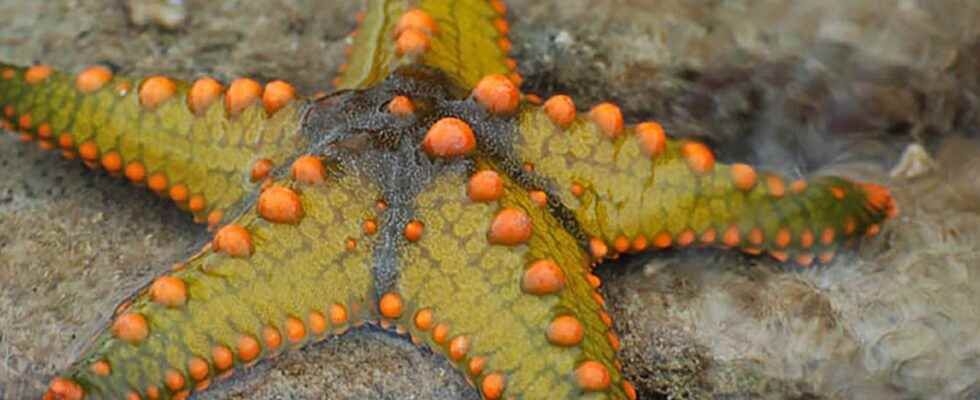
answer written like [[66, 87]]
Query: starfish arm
[[195, 143], [498, 286], [290, 271], [466, 39], [631, 189]]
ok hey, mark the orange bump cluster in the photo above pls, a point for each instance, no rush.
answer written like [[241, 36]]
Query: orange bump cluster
[[413, 32]]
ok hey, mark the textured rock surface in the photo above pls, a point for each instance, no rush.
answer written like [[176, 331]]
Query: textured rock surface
[[790, 85]]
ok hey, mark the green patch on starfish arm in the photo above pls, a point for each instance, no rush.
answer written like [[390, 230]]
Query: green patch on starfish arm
[[467, 298], [468, 43], [299, 283], [628, 196], [202, 161]]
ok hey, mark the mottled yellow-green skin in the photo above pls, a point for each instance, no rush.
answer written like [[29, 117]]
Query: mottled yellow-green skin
[[628, 193], [464, 47], [211, 154], [294, 270], [327, 259], [474, 287]]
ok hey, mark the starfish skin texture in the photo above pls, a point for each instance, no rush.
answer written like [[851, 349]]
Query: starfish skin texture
[[427, 196]]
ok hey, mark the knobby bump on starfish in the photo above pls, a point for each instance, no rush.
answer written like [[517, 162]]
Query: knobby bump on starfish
[[427, 196]]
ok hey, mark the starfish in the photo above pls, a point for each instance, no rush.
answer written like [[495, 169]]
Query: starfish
[[427, 196]]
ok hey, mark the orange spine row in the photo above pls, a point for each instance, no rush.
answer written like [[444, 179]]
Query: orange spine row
[[105, 120]]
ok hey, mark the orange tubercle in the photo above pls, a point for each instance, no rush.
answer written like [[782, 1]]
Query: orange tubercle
[[449, 137], [101, 368], [271, 337], [598, 248], [295, 330], [179, 193], [112, 162], [135, 172], [560, 110], [663, 240], [92, 79], [338, 314], [37, 74], [879, 199], [418, 20], [169, 291], [798, 186], [233, 240], [318, 322], [699, 158], [277, 94], [131, 328], [391, 305], [476, 365], [157, 182], [744, 177], [174, 380], [65, 389], [492, 386], [309, 169], [261, 169], [542, 278], [540, 198], [777, 188], [593, 376], [608, 118], [732, 237], [424, 319], [242, 93], [497, 94], [369, 227], [510, 227], [222, 357], [413, 231], [248, 348], [565, 331], [652, 139], [485, 186], [401, 106], [458, 347], [281, 205], [412, 42], [203, 93], [630, 390], [155, 91], [197, 368]]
